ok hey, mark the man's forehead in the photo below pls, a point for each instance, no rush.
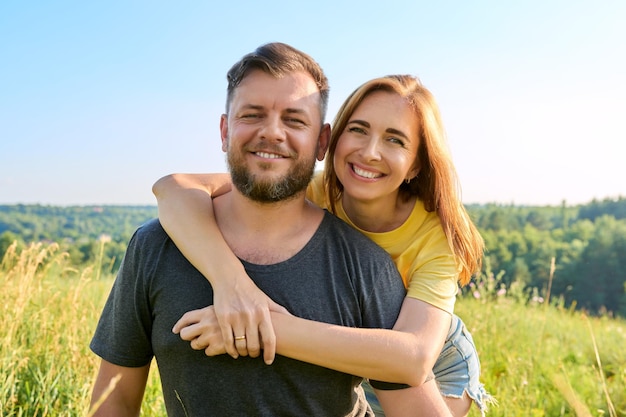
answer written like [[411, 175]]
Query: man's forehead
[[295, 90]]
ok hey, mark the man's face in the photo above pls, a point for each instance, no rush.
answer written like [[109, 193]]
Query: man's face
[[272, 135]]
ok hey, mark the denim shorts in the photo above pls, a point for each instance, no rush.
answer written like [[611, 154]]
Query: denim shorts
[[457, 370]]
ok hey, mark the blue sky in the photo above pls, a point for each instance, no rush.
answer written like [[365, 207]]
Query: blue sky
[[100, 99]]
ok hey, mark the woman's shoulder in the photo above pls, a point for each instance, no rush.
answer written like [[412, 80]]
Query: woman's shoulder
[[422, 219]]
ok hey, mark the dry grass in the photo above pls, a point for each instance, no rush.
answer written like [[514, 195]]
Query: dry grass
[[50, 313]]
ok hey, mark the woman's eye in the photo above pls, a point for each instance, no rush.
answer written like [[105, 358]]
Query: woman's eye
[[356, 129], [396, 141]]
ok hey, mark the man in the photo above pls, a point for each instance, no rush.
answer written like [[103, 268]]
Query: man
[[300, 256]]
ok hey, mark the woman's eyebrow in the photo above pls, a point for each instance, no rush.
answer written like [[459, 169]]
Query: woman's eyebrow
[[396, 132], [360, 122]]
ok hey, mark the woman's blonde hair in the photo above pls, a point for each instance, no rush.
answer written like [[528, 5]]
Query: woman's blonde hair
[[436, 185]]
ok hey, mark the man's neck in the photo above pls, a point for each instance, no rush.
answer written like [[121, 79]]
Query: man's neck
[[266, 233]]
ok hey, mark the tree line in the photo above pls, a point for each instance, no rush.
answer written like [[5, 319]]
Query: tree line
[[577, 253], [81, 231], [587, 243]]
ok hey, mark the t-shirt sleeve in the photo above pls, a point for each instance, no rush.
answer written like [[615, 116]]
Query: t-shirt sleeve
[[434, 275], [122, 335], [437, 289], [387, 386]]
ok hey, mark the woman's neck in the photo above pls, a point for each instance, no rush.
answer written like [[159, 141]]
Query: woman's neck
[[378, 216]]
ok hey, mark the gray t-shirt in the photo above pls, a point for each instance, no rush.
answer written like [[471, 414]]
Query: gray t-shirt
[[339, 277]]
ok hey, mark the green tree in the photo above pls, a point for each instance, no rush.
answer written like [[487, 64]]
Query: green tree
[[602, 267]]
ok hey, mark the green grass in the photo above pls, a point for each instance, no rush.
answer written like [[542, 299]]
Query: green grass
[[537, 360], [540, 360]]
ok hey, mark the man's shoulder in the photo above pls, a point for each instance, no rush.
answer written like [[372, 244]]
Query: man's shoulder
[[341, 230], [149, 232], [335, 223], [148, 244]]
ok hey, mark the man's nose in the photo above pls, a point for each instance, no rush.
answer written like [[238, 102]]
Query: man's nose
[[273, 129]]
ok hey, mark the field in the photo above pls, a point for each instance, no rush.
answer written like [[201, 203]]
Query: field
[[537, 359]]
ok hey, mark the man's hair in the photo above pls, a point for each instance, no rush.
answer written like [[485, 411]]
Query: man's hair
[[278, 59]]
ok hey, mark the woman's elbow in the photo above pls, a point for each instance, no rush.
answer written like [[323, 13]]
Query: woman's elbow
[[423, 363], [162, 184]]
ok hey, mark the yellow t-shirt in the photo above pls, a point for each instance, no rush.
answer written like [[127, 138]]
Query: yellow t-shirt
[[418, 247]]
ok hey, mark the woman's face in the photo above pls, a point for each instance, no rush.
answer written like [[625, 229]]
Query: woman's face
[[377, 149]]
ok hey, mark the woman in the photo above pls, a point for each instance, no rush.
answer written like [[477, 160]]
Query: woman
[[388, 173]]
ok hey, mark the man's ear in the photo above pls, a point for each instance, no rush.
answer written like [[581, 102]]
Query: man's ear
[[323, 141], [224, 132]]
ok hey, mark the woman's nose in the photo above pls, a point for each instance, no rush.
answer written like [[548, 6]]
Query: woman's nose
[[370, 150]]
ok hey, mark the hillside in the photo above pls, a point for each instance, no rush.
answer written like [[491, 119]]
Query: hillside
[[538, 358]]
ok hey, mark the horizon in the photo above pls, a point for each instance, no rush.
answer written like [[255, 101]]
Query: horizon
[[488, 203]]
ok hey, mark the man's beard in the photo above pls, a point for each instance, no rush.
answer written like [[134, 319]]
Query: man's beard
[[274, 190]]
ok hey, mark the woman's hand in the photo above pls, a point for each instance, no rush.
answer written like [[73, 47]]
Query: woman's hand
[[245, 311], [242, 309], [200, 327]]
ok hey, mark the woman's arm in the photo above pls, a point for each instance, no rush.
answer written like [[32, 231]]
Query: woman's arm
[[406, 354], [186, 213], [423, 401]]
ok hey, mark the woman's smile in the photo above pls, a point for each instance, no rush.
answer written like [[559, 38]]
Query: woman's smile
[[364, 173]]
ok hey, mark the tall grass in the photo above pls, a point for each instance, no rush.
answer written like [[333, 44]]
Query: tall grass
[[545, 360], [537, 359], [49, 314]]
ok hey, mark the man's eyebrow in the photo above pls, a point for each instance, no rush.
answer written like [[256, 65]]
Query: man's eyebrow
[[295, 110], [252, 107], [290, 110]]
